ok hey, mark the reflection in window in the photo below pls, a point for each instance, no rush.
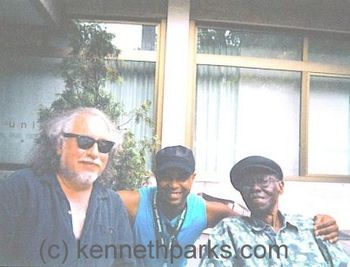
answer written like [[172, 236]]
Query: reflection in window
[[329, 50], [329, 126], [136, 86], [26, 83], [248, 43], [132, 36], [137, 83], [241, 112]]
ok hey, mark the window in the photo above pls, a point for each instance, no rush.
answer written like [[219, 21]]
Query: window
[[331, 50], [136, 86], [329, 125], [27, 82], [250, 44], [137, 69], [277, 94]]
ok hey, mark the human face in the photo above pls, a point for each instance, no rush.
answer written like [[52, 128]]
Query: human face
[[79, 166], [173, 187], [260, 190]]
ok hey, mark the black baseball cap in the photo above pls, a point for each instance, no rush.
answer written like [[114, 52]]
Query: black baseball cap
[[174, 157], [239, 169]]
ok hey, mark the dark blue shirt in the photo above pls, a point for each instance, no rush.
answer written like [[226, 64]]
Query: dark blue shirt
[[36, 225]]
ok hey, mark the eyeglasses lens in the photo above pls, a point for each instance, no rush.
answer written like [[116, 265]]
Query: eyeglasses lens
[[86, 142]]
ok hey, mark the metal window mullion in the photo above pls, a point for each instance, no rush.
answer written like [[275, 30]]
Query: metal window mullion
[[148, 56], [304, 114], [160, 65], [304, 123], [273, 64], [191, 102]]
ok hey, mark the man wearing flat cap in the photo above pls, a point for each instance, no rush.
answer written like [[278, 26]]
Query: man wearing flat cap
[[268, 237]]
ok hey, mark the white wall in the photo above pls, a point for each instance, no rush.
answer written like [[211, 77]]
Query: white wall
[[307, 198], [311, 198]]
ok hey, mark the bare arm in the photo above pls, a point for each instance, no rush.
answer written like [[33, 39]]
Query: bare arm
[[216, 211], [131, 201]]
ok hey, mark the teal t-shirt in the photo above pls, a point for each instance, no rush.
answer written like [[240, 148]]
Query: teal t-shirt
[[144, 231]]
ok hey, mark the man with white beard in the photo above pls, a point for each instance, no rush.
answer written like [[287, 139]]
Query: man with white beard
[[56, 212]]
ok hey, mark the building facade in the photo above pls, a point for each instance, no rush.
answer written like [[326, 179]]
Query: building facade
[[228, 78]]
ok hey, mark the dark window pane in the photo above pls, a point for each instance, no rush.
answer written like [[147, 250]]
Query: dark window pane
[[248, 43]]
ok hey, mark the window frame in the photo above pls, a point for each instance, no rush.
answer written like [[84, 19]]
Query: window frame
[[306, 69], [156, 56]]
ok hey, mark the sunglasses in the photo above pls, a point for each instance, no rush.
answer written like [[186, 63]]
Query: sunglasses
[[86, 142]]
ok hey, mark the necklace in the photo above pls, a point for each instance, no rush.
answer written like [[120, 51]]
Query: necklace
[[160, 233]]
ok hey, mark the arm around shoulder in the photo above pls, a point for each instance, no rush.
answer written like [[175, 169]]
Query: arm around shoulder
[[131, 201], [217, 211]]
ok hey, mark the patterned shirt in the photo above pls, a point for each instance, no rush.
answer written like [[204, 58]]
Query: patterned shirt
[[245, 241]]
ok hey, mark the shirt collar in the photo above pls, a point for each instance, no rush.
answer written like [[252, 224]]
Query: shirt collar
[[97, 189], [288, 222]]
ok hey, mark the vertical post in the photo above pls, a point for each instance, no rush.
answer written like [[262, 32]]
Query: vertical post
[[176, 73]]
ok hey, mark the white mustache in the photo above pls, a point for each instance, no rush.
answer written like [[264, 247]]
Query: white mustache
[[89, 161]]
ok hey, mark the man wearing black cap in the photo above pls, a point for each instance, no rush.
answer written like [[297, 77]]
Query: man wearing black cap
[[169, 214], [268, 237]]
